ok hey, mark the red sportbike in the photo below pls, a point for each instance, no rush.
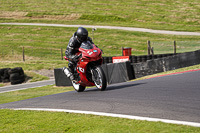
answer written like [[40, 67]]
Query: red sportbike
[[89, 71]]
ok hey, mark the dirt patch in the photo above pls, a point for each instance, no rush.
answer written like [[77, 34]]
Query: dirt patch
[[44, 72], [59, 17], [23, 15], [10, 14]]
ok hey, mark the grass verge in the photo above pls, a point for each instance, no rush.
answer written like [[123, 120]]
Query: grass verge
[[178, 15], [45, 43], [31, 93], [33, 77], [33, 65], [40, 121]]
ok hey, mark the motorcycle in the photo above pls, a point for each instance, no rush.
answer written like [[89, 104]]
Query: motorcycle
[[88, 69]]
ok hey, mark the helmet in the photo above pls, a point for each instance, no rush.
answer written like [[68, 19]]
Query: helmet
[[82, 34]]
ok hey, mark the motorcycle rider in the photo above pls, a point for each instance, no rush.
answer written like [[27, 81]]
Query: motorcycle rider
[[75, 41]]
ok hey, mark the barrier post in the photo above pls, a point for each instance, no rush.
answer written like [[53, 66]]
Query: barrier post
[[152, 51], [93, 29], [148, 47], [174, 47], [61, 53], [23, 54]]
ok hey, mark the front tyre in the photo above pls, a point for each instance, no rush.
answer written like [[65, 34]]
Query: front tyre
[[99, 78], [78, 87]]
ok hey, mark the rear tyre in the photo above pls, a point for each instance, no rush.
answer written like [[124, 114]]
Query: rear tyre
[[99, 78], [78, 87]]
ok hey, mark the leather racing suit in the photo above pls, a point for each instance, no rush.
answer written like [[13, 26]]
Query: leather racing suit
[[72, 48]]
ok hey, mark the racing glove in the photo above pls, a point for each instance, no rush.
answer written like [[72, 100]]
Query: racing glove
[[75, 58]]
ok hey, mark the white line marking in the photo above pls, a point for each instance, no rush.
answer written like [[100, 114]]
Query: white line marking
[[28, 83], [194, 124], [22, 89], [26, 87]]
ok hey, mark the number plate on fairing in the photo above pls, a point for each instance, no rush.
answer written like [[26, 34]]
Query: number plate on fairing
[[81, 69]]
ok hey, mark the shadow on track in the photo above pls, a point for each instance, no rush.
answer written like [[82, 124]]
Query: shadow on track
[[115, 87]]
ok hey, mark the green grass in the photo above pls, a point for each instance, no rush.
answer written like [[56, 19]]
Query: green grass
[[33, 77], [45, 43], [33, 121], [182, 46], [33, 65], [182, 15], [31, 93]]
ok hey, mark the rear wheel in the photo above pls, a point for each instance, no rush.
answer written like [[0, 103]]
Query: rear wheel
[[99, 78], [78, 87]]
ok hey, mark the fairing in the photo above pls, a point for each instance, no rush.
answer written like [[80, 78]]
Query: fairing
[[90, 53]]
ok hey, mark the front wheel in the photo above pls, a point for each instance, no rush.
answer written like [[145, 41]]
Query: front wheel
[[99, 78], [78, 87]]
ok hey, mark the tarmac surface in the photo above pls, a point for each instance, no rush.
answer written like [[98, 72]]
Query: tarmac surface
[[173, 97], [111, 27], [26, 86]]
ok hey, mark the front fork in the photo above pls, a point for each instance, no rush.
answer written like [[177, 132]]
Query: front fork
[[95, 75]]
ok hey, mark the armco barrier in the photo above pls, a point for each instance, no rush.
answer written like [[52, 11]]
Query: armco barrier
[[147, 68], [60, 78], [137, 59], [166, 63], [118, 72]]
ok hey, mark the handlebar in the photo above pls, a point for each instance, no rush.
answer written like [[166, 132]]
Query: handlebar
[[80, 55]]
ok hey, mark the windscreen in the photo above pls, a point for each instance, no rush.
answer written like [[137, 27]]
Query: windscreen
[[86, 45]]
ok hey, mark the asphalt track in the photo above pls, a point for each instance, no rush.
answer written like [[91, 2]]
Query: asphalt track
[[172, 97]]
